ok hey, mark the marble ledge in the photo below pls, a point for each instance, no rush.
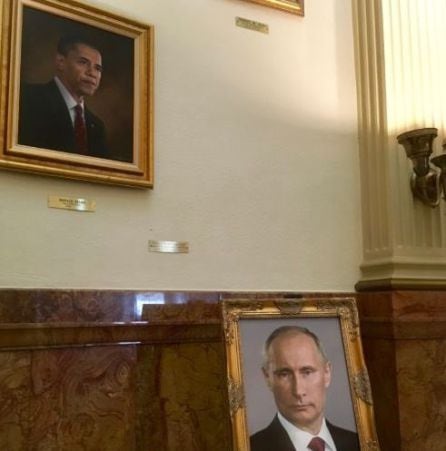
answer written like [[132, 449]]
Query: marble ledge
[[405, 315], [38, 336], [403, 305], [21, 306], [92, 306]]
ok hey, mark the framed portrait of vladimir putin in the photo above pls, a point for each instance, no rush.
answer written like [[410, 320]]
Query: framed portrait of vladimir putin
[[296, 375], [76, 92]]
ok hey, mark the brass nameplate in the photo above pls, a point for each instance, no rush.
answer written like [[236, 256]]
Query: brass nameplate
[[180, 247], [252, 25], [71, 203]]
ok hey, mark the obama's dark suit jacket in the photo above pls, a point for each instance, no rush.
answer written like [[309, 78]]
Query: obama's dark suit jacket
[[45, 122]]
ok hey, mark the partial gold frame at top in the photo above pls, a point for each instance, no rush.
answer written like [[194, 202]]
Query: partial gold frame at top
[[290, 6], [345, 310], [137, 171]]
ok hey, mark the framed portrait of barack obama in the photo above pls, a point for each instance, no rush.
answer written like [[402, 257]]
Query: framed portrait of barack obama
[[296, 376], [76, 92]]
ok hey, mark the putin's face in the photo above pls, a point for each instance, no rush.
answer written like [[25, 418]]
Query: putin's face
[[80, 70], [298, 376]]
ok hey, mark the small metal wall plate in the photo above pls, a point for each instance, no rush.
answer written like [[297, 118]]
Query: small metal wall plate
[[252, 25], [178, 247], [71, 203]]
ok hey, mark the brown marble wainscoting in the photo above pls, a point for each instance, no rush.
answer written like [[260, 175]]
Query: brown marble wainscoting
[[87, 370], [80, 370], [107, 370], [404, 342]]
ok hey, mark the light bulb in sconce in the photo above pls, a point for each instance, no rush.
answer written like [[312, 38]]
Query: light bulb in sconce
[[425, 180]]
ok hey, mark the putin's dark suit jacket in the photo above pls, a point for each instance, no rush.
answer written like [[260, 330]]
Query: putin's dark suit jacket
[[45, 122], [275, 438]]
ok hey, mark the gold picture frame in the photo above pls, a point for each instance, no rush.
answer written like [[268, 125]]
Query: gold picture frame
[[119, 143], [290, 6], [248, 322]]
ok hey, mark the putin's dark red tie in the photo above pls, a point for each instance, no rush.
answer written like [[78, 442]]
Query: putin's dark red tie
[[317, 444]]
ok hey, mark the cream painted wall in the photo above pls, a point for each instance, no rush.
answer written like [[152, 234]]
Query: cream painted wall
[[256, 164]]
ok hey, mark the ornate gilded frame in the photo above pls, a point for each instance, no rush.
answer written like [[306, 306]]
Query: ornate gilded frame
[[290, 6], [124, 98], [237, 311]]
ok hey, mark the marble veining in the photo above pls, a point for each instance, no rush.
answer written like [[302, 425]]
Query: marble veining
[[404, 342], [71, 399]]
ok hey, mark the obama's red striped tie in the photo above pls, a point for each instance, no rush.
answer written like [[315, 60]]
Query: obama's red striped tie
[[80, 131]]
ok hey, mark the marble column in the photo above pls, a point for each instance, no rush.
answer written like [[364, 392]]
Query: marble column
[[400, 48]]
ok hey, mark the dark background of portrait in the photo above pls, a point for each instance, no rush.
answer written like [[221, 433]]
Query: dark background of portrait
[[113, 101], [259, 399]]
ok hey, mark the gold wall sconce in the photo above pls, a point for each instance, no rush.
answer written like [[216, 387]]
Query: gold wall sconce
[[427, 182]]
